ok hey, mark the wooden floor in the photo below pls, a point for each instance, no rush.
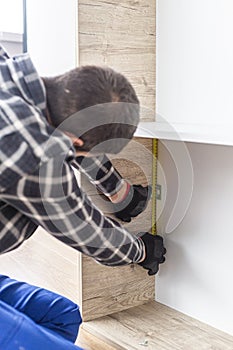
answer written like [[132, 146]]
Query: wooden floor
[[155, 327], [88, 341]]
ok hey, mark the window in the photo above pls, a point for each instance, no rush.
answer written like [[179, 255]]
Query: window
[[13, 25]]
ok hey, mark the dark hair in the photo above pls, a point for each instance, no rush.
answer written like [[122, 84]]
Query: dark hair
[[114, 117]]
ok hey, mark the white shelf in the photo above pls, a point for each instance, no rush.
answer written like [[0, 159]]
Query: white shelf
[[200, 133], [11, 37]]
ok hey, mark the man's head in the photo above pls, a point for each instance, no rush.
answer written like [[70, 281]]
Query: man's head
[[97, 106]]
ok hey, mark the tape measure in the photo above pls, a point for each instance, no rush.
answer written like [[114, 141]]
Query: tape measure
[[154, 185]]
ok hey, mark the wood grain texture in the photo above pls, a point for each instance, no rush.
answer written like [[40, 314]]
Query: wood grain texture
[[107, 290], [89, 342], [121, 34], [157, 327]]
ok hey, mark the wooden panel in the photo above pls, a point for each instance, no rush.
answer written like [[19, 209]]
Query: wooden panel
[[107, 290], [156, 326], [121, 34]]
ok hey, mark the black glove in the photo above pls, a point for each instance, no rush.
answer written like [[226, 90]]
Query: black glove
[[134, 204], [154, 252]]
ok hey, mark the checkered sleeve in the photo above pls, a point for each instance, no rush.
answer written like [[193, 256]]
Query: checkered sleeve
[[14, 227], [52, 198], [101, 173]]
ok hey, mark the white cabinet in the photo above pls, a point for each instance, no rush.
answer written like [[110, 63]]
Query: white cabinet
[[195, 68]]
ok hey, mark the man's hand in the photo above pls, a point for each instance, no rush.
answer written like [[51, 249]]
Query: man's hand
[[135, 203], [155, 252]]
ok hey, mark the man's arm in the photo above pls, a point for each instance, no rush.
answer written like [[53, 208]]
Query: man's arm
[[51, 198], [101, 173], [128, 200], [14, 227]]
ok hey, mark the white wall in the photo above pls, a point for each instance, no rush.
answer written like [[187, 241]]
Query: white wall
[[195, 60], [195, 85], [52, 35], [197, 276]]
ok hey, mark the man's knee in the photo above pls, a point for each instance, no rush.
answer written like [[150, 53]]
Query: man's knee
[[46, 308], [21, 332], [72, 322], [63, 317]]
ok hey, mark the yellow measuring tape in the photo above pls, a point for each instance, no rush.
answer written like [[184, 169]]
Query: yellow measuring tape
[[154, 183]]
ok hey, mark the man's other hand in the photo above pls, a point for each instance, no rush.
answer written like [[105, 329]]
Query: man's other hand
[[154, 252], [134, 203]]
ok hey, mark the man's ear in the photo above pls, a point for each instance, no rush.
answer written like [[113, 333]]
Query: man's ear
[[78, 142], [75, 140]]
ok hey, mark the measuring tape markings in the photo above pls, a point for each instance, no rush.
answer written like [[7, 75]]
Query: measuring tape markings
[[154, 184]]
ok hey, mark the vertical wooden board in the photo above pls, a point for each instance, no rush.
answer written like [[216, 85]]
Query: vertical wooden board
[[108, 290], [121, 34]]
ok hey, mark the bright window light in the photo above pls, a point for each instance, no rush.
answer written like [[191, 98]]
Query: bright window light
[[11, 16]]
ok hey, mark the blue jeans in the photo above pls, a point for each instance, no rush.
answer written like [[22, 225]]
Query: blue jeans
[[32, 318]]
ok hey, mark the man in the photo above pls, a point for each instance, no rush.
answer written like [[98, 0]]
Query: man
[[50, 126]]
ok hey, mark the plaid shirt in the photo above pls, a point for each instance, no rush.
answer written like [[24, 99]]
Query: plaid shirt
[[37, 181]]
